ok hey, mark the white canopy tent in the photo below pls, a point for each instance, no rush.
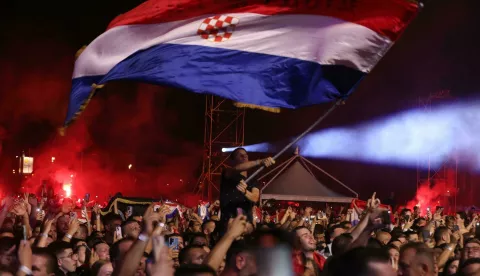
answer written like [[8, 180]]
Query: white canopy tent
[[294, 180]]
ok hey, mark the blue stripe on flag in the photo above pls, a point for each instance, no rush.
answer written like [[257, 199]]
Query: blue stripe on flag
[[247, 77]]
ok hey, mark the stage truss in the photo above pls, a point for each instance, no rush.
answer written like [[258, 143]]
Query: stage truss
[[448, 171], [224, 128]]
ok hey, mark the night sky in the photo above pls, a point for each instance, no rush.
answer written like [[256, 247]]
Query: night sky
[[160, 129]]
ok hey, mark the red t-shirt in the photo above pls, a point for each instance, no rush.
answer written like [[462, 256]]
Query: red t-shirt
[[299, 264]]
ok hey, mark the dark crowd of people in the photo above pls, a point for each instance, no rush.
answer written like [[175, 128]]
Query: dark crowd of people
[[233, 236]]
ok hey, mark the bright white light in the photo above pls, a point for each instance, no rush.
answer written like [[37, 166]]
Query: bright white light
[[67, 187], [53, 159], [262, 147], [409, 138], [129, 166]]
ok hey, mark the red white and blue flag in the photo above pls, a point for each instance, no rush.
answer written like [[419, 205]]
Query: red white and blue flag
[[274, 53]]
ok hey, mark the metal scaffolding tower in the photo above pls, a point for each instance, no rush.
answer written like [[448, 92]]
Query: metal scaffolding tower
[[446, 172], [224, 128]]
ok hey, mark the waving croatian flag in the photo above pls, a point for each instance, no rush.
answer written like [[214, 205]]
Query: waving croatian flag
[[273, 53]]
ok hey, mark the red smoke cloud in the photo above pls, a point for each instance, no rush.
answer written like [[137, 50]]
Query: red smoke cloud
[[124, 124], [438, 192]]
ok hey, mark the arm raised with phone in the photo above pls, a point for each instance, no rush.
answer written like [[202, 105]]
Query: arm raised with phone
[[236, 229], [134, 255]]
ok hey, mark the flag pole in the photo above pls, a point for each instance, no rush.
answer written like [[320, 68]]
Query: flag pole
[[310, 128]]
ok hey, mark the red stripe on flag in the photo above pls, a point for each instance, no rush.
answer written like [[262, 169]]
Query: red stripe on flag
[[386, 17]]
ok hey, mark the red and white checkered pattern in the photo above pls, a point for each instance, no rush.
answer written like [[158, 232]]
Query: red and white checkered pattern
[[218, 28]]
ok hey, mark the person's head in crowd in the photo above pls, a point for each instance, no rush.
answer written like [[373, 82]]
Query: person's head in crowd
[[171, 225], [402, 238], [83, 254], [131, 228], [43, 262], [53, 233], [383, 237], [347, 225], [62, 225], [8, 257], [451, 267], [318, 229], [111, 222], [335, 231], [194, 226], [66, 259], [393, 252], [267, 219], [471, 249], [77, 242], [412, 236], [5, 233], [359, 262], [406, 214], [420, 222], [341, 243], [320, 239], [192, 254], [441, 235], [198, 239], [102, 268], [181, 243], [460, 219], [470, 267], [195, 270], [36, 231], [395, 243], [240, 260], [118, 250], [82, 232], [416, 211], [449, 222], [102, 249], [416, 259], [374, 243], [8, 224], [208, 227], [96, 235], [239, 156], [304, 240]]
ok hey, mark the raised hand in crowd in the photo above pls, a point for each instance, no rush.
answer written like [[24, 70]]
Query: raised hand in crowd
[[47, 225], [40, 216], [308, 211], [236, 228], [162, 262], [73, 227], [19, 209], [373, 202], [150, 217], [408, 223], [25, 258], [93, 257], [438, 215]]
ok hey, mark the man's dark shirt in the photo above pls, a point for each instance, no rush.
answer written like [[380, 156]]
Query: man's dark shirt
[[231, 198]]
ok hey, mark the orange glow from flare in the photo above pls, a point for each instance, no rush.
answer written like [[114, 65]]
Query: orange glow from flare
[[67, 187]]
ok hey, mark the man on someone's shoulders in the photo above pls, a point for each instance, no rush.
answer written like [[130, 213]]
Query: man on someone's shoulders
[[235, 194]]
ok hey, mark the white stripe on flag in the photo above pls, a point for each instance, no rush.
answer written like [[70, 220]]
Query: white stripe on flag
[[322, 39]]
